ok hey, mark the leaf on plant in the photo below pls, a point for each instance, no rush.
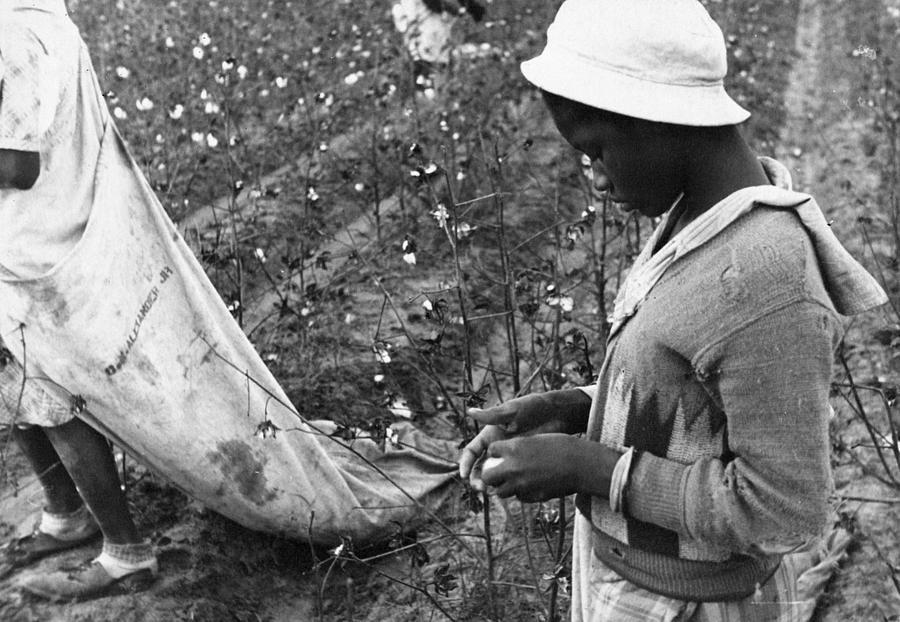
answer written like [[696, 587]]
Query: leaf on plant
[[444, 581]]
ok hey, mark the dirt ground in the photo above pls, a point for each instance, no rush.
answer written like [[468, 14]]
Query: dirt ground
[[212, 569]]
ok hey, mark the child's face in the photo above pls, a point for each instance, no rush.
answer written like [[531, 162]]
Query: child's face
[[637, 161]]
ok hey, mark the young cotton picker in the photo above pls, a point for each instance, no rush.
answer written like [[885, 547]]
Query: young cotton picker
[[52, 118], [701, 460]]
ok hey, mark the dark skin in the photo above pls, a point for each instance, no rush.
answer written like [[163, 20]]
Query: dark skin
[[19, 169], [644, 166], [73, 461]]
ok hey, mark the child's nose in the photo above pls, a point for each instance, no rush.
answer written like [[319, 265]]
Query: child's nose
[[601, 179]]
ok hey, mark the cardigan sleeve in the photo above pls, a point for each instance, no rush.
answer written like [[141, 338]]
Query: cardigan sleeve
[[771, 491]]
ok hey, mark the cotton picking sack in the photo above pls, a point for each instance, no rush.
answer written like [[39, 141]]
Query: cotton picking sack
[[129, 330]]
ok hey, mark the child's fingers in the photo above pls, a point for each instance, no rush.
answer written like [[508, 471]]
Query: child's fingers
[[497, 415], [477, 447], [471, 453]]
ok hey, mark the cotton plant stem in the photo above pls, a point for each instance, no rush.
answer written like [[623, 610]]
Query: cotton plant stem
[[873, 433], [467, 348], [508, 280], [560, 546], [489, 550], [526, 524]]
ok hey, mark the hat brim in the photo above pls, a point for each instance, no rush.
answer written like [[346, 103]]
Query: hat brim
[[572, 76]]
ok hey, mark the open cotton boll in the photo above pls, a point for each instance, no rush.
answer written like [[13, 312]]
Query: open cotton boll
[[491, 463]]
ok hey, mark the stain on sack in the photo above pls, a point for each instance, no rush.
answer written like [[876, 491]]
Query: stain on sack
[[238, 464], [46, 298]]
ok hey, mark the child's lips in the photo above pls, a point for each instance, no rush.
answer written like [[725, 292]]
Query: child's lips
[[620, 203]]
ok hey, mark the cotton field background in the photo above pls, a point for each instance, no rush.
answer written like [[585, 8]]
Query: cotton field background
[[398, 246]]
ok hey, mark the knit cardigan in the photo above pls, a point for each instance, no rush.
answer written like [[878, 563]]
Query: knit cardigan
[[720, 382]]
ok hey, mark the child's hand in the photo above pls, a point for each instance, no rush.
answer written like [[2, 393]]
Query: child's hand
[[469, 465], [538, 413], [534, 468]]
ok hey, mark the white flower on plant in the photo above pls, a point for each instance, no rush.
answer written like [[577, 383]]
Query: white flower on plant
[[464, 230], [281, 82], [323, 147], [390, 434], [565, 303], [428, 305], [378, 378], [359, 186], [264, 92], [408, 246], [204, 94], [160, 139], [176, 111], [242, 72], [441, 214], [170, 42], [211, 107], [382, 352], [353, 78], [197, 52], [204, 39], [311, 194], [144, 104], [211, 141], [400, 408], [260, 254], [866, 51], [119, 113], [122, 72], [197, 137]]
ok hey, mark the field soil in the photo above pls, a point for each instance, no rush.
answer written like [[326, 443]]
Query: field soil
[[212, 569]]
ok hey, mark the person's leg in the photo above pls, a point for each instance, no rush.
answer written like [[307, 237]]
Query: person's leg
[[87, 457], [61, 496], [65, 521], [126, 563]]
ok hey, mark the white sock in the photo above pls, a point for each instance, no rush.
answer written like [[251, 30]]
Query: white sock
[[68, 527], [119, 560]]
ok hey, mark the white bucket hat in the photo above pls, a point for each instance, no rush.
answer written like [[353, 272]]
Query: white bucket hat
[[659, 60]]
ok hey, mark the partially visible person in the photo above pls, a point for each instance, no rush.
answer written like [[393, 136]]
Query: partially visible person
[[700, 460], [426, 28], [52, 119]]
